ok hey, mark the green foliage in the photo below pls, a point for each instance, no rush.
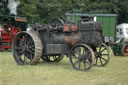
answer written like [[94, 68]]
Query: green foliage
[[42, 11], [123, 12], [28, 8], [49, 9]]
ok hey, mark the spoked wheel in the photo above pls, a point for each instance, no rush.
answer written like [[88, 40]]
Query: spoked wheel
[[81, 57], [124, 50], [52, 58], [102, 55], [27, 48]]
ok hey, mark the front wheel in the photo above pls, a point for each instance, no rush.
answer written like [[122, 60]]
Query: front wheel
[[81, 57]]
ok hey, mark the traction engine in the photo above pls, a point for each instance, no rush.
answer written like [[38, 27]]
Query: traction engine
[[9, 27], [82, 43]]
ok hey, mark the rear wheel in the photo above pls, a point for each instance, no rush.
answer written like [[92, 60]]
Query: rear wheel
[[27, 48]]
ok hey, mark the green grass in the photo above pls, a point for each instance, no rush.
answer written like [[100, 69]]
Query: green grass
[[62, 73]]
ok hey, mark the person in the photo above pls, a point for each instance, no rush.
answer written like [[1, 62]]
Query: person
[[6, 28]]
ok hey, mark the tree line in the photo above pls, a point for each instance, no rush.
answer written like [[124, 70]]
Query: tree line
[[42, 11]]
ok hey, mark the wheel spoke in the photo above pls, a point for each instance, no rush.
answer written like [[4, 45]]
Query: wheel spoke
[[30, 47], [84, 64], [33, 49], [103, 50], [75, 56], [25, 42], [18, 48], [100, 49], [76, 59], [83, 51], [90, 59], [24, 59], [103, 59], [87, 62], [21, 52], [48, 57], [88, 53], [105, 54], [76, 62], [79, 64], [20, 39], [21, 55], [21, 42], [25, 39], [30, 56], [32, 52], [78, 51], [29, 41], [52, 58]]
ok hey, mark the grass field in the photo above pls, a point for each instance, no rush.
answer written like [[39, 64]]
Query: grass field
[[62, 73]]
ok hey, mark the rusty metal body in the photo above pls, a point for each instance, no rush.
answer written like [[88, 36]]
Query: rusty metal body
[[59, 39]]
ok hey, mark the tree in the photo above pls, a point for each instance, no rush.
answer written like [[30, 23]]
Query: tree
[[42, 11], [28, 9], [123, 11], [49, 9]]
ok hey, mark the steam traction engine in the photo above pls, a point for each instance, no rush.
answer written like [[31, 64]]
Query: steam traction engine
[[9, 27], [82, 44]]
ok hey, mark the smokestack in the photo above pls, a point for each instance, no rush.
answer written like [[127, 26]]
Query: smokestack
[[12, 5]]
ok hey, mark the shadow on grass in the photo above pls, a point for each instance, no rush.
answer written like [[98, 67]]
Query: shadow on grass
[[64, 64], [61, 63]]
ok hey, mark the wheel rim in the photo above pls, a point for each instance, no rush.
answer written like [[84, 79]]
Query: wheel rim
[[52, 58], [102, 55], [81, 57], [25, 49]]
